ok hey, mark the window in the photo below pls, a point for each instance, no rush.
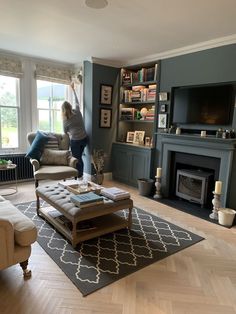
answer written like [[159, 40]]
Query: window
[[9, 112], [50, 97]]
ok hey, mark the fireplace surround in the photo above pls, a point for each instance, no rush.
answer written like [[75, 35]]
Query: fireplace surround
[[218, 154]]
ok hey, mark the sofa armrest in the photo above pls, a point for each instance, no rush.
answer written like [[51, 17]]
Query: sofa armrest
[[35, 163], [72, 162], [6, 243]]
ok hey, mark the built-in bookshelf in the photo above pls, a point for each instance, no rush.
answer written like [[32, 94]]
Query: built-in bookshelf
[[138, 102]]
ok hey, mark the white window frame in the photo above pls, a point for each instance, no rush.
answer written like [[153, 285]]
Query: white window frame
[[4, 150]]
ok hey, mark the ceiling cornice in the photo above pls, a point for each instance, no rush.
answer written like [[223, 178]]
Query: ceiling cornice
[[222, 41]]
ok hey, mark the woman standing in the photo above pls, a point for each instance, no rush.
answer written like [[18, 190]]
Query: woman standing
[[73, 124]]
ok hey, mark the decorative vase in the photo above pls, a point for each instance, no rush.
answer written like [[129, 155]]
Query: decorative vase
[[98, 178]]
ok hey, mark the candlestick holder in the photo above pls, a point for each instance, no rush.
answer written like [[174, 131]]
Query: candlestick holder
[[157, 194], [216, 205]]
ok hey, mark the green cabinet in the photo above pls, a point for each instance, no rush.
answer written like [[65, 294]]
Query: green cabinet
[[130, 163]]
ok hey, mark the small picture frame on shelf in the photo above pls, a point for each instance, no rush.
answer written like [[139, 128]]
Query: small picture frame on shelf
[[138, 137], [162, 120], [147, 141], [106, 94], [163, 96], [105, 118], [130, 137], [163, 108]]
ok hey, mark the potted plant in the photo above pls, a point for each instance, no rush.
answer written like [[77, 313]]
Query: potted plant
[[98, 161], [3, 163]]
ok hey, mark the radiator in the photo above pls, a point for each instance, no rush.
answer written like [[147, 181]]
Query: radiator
[[24, 168]]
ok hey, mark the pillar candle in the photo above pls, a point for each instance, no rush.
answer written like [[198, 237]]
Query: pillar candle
[[158, 174], [218, 187]]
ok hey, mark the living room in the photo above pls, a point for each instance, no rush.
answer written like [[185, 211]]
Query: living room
[[197, 279]]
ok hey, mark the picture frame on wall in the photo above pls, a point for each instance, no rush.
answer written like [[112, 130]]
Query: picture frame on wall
[[163, 96], [106, 94], [105, 118], [163, 108], [162, 120], [130, 137], [138, 137]]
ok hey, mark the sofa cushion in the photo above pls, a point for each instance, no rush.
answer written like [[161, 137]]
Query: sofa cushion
[[37, 146], [52, 142], [55, 157], [25, 231]]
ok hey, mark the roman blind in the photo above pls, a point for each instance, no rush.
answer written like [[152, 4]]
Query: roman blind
[[10, 67], [53, 74]]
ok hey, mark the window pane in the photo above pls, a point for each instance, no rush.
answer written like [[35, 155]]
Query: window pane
[[51, 96], [8, 91], [57, 121], [9, 127], [44, 120]]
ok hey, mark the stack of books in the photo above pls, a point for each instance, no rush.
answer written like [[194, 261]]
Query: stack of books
[[87, 199], [115, 194], [150, 114], [151, 95]]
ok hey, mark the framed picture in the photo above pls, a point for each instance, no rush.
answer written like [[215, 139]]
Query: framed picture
[[105, 118], [106, 95], [130, 137], [162, 120], [163, 108], [163, 96], [138, 137], [147, 141]]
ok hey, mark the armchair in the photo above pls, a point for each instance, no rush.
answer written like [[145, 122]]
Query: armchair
[[56, 163], [17, 233]]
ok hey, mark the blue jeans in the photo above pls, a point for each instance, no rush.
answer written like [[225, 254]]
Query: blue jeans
[[77, 148]]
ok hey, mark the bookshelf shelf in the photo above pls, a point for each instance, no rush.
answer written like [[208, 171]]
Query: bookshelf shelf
[[137, 112], [137, 121]]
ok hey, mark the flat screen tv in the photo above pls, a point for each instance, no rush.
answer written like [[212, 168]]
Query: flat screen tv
[[203, 105]]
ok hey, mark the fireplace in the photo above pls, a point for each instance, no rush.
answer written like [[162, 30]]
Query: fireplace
[[193, 153], [192, 185]]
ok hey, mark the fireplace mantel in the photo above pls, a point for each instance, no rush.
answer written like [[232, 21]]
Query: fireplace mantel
[[210, 146]]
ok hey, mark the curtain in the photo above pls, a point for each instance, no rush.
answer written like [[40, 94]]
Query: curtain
[[10, 67], [53, 74]]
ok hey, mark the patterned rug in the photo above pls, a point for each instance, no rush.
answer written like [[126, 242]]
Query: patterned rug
[[101, 261]]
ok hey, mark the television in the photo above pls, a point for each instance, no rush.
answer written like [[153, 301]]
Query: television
[[203, 105]]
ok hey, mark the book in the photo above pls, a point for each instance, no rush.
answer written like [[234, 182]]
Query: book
[[87, 199], [72, 183], [115, 193]]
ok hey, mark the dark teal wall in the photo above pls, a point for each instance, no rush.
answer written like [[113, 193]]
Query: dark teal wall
[[88, 110], [209, 66], [100, 138], [214, 65]]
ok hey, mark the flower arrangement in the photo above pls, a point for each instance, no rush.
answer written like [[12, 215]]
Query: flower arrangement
[[98, 158]]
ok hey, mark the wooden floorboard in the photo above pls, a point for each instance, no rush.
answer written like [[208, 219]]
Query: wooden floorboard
[[198, 280]]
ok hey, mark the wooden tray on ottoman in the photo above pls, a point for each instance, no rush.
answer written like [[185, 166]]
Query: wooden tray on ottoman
[[92, 187]]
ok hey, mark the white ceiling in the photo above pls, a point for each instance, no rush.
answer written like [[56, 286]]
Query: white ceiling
[[124, 32]]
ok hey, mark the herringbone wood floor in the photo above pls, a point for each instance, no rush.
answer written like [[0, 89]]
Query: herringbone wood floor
[[198, 280]]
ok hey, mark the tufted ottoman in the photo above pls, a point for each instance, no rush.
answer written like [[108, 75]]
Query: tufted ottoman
[[103, 215]]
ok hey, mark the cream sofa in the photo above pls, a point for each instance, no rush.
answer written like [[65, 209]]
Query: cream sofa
[[17, 233]]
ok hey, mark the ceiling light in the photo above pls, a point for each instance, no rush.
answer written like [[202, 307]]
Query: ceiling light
[[96, 4]]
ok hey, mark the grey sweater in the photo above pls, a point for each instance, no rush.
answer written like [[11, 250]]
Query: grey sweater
[[75, 124]]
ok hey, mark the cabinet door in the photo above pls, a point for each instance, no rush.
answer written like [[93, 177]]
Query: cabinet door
[[120, 164], [140, 166]]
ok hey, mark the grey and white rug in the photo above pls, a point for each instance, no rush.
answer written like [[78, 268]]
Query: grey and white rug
[[103, 260]]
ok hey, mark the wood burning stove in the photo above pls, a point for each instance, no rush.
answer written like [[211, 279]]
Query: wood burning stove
[[192, 185]]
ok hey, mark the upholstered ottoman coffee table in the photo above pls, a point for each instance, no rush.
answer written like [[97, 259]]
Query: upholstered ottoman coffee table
[[103, 216]]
